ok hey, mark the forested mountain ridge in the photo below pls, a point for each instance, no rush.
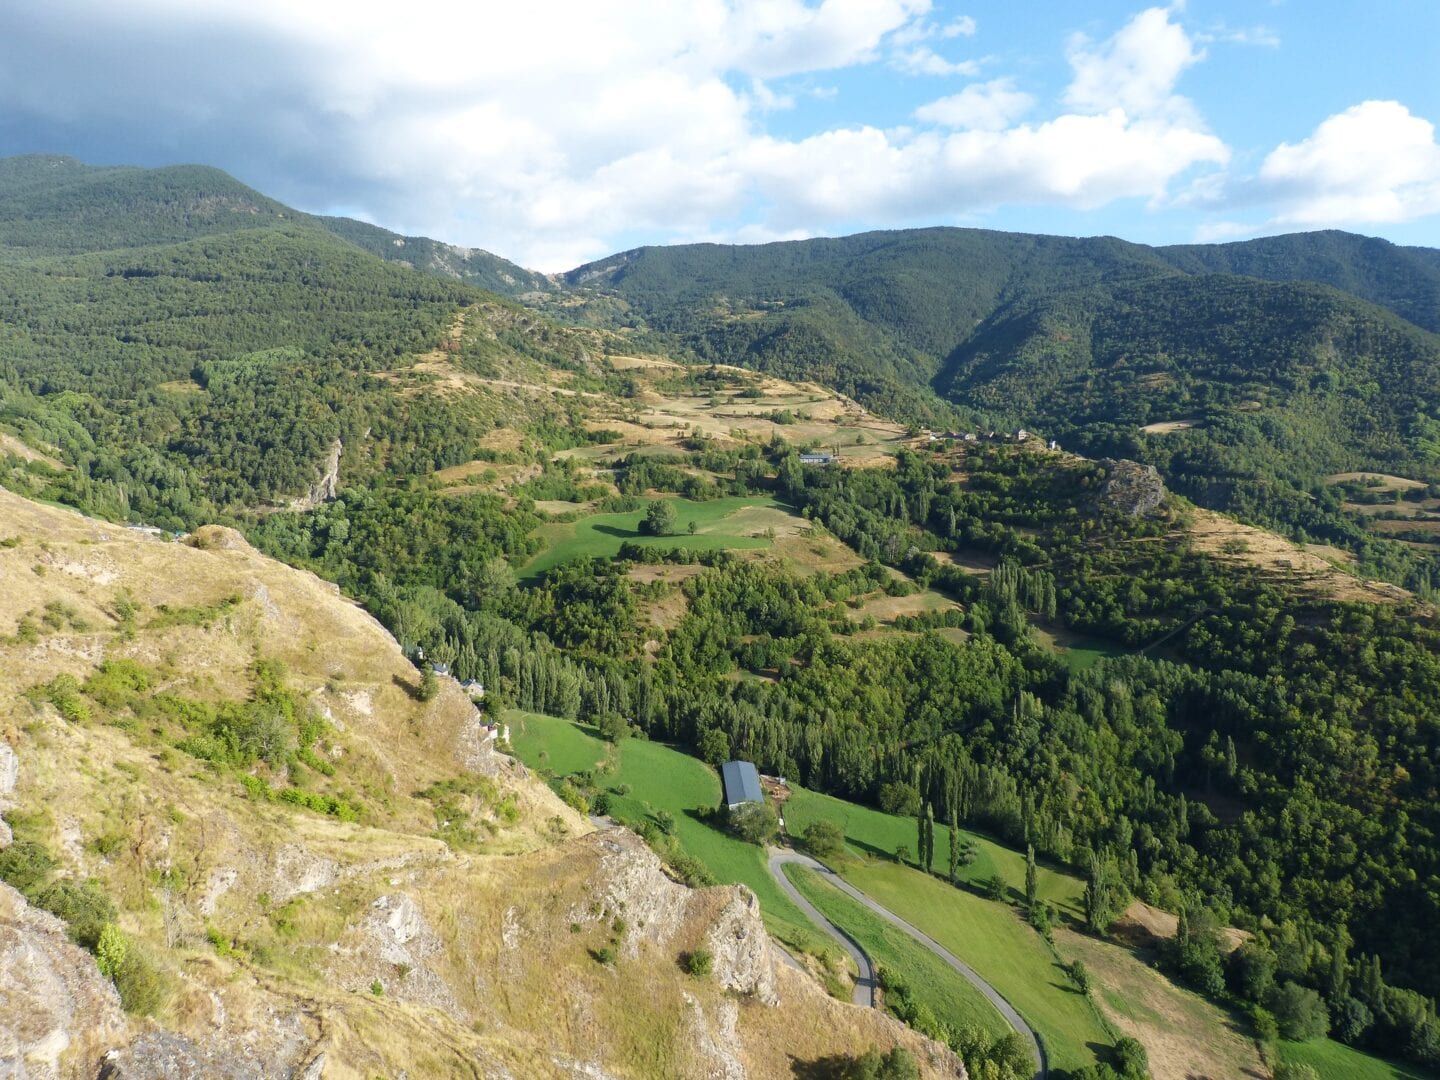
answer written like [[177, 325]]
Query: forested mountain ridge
[[1321, 361], [473, 266]]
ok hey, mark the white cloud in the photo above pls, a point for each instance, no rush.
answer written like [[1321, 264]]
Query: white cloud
[[1376, 163], [961, 26], [554, 131], [987, 106], [1135, 70], [922, 60]]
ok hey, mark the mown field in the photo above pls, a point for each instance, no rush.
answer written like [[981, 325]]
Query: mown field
[[601, 535], [1336, 1061], [870, 832], [933, 983]]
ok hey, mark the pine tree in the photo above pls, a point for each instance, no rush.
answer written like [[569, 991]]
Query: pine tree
[[929, 837], [1032, 877]]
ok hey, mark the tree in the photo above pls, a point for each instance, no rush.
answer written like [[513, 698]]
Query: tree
[[715, 746], [824, 839], [1132, 1060], [1299, 1011], [429, 684], [613, 727], [895, 1064], [1032, 877], [659, 518], [755, 823], [1102, 894], [929, 837]]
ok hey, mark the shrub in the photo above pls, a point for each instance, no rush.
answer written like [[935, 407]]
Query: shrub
[[85, 909], [755, 823], [26, 866], [1294, 1070], [698, 963], [824, 839]]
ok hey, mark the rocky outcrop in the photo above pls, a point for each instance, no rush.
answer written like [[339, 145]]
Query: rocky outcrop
[[1131, 488], [53, 1000], [161, 1055], [324, 489]]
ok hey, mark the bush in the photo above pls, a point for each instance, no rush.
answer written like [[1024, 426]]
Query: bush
[[26, 866], [896, 1064], [824, 839], [699, 963], [1294, 1070], [83, 908], [755, 823], [1131, 1059]]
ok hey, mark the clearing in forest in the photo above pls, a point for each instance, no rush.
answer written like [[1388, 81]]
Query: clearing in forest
[[720, 525]]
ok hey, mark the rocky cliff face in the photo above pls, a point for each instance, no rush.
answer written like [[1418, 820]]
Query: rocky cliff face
[[1131, 488], [361, 926]]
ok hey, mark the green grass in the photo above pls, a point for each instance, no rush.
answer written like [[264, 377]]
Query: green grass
[[600, 535], [950, 998], [1006, 952], [1077, 651], [871, 832], [662, 778], [1333, 1059]]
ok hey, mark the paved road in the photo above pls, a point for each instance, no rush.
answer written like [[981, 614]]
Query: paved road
[[779, 857], [864, 993]]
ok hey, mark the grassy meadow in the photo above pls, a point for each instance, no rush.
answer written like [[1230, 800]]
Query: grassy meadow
[[933, 983], [725, 524]]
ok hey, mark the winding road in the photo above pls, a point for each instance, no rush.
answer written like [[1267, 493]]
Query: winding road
[[865, 984]]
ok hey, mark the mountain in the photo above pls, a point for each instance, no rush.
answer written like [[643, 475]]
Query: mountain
[[56, 205], [1270, 364], [473, 266], [186, 347]]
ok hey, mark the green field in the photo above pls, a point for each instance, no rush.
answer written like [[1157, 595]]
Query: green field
[[600, 535], [935, 984], [661, 778], [992, 939], [1333, 1059], [1077, 651], [871, 832]]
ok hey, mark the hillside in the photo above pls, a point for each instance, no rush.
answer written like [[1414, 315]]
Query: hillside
[[218, 775], [1285, 359]]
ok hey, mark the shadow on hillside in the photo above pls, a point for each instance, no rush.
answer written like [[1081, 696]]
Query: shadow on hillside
[[826, 1068], [615, 530], [411, 688]]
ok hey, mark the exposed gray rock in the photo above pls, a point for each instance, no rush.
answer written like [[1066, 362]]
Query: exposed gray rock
[[161, 1055], [53, 1000], [1131, 488]]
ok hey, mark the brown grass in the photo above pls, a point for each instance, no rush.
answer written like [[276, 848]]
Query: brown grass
[[1185, 1036], [1167, 426], [1220, 537]]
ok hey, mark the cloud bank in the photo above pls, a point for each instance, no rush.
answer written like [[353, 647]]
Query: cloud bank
[[553, 131]]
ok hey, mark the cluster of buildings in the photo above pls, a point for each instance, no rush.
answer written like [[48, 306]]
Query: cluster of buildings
[[1019, 436]]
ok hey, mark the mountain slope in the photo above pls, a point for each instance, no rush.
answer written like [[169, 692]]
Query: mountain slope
[[1405, 280], [473, 266], [222, 761]]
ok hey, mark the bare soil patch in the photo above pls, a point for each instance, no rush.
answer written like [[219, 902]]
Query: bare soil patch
[[1167, 426], [886, 609], [664, 572]]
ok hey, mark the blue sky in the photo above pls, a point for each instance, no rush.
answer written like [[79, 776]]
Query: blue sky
[[561, 130]]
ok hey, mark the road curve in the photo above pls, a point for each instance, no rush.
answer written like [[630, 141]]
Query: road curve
[[864, 993], [778, 857]]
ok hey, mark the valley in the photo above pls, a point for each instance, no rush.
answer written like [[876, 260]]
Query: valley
[[269, 500]]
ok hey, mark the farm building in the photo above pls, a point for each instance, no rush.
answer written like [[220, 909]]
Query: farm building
[[817, 459], [741, 783]]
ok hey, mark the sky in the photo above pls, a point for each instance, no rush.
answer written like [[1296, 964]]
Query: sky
[[554, 132]]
